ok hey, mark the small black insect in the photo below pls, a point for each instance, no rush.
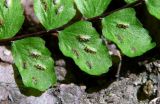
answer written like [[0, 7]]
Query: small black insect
[[84, 38], [123, 26], [90, 49], [89, 64], [40, 67]]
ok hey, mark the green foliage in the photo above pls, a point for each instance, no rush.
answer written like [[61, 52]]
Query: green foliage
[[123, 28], [34, 63], [130, 1], [92, 8], [82, 43], [54, 13], [10, 23], [153, 7]]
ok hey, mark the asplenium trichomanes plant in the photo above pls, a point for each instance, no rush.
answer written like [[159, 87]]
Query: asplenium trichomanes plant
[[80, 41]]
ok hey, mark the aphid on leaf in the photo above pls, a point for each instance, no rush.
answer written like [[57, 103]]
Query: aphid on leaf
[[89, 49], [84, 38], [75, 52], [34, 80], [123, 26], [89, 64], [39, 67]]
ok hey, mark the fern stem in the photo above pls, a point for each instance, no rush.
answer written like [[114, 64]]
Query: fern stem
[[41, 33]]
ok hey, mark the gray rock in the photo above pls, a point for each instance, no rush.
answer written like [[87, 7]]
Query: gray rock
[[4, 93], [60, 73], [70, 94], [6, 55]]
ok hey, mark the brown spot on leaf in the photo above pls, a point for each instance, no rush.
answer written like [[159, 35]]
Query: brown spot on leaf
[[84, 38], [90, 49], [123, 26], [35, 54], [75, 52], [39, 67]]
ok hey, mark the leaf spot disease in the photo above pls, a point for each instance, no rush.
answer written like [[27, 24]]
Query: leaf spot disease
[[122, 26], [35, 54], [84, 38], [40, 67], [89, 49]]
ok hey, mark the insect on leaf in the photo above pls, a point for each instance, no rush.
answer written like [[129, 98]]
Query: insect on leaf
[[81, 42], [54, 13], [124, 29], [34, 63]]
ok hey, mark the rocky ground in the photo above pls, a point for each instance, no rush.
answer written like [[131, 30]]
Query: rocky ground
[[138, 87]]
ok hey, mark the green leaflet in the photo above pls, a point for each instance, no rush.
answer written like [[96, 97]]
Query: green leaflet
[[11, 18], [34, 63], [54, 13], [92, 8], [123, 28], [130, 1], [153, 7], [81, 42]]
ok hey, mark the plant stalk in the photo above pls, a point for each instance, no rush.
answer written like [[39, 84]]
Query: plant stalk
[[44, 32]]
